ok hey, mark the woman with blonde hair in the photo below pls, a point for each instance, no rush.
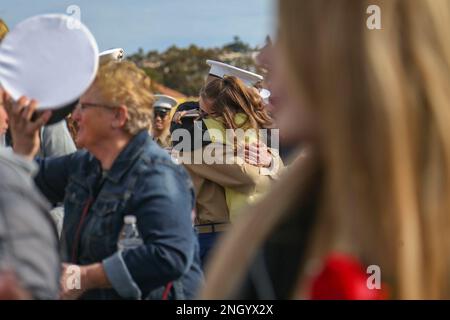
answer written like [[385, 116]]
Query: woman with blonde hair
[[121, 176], [373, 105]]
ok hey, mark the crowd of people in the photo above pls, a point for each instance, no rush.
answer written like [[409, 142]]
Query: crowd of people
[[359, 117]]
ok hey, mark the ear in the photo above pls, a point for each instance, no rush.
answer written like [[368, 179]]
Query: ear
[[120, 117]]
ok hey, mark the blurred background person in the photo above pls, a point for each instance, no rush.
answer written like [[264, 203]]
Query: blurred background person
[[224, 188], [120, 172], [29, 259], [56, 141], [373, 106], [162, 115]]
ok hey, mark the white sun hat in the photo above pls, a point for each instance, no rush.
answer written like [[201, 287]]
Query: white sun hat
[[48, 58]]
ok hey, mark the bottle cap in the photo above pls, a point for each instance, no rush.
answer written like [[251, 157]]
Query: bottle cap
[[129, 219]]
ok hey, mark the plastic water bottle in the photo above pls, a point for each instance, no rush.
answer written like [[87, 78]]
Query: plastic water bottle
[[129, 237]]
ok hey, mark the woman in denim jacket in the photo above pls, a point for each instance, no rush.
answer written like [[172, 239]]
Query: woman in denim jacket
[[120, 172]]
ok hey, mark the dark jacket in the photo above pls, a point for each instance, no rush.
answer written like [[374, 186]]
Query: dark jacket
[[144, 182], [193, 128]]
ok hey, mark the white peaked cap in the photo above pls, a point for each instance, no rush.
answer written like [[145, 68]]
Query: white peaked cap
[[163, 101], [48, 58], [116, 54], [220, 69]]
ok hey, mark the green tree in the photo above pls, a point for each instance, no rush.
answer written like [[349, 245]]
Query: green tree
[[185, 69]]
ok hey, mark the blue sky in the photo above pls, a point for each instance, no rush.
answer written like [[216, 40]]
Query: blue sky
[[158, 24]]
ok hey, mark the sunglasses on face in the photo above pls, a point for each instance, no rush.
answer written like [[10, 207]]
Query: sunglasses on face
[[160, 113]]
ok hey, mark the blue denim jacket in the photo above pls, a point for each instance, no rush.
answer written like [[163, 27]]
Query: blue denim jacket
[[144, 182]]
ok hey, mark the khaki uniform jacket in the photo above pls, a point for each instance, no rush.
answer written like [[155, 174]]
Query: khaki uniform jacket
[[164, 140], [212, 180]]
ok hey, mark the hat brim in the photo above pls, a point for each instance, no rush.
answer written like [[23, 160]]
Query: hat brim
[[58, 114], [161, 108], [45, 47]]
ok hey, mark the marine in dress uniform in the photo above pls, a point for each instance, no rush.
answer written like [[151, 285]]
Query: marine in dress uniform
[[161, 119], [221, 189]]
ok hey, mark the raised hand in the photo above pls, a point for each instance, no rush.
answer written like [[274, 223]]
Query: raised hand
[[24, 129]]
